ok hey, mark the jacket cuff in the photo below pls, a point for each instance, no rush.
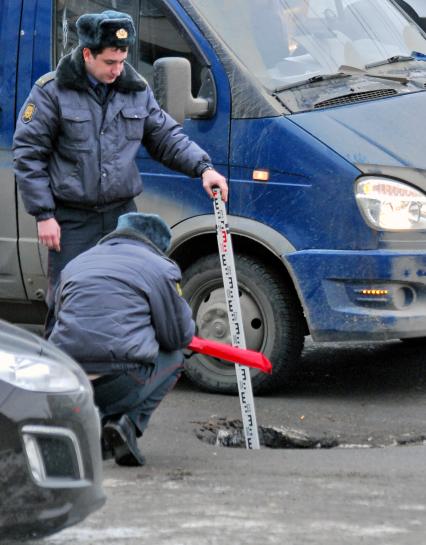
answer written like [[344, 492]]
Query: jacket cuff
[[201, 167], [46, 215]]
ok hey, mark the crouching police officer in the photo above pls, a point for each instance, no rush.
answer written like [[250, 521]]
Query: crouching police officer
[[77, 137], [120, 314]]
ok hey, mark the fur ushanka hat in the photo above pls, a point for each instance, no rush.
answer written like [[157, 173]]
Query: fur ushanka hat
[[151, 226], [106, 29]]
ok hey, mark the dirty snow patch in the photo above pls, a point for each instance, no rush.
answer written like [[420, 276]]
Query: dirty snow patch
[[88, 535], [356, 530]]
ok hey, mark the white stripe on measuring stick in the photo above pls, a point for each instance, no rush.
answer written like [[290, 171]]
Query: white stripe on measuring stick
[[235, 321]]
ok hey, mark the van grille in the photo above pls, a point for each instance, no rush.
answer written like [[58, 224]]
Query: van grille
[[356, 97]]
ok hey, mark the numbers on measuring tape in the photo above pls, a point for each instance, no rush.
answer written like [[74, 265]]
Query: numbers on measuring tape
[[235, 321]]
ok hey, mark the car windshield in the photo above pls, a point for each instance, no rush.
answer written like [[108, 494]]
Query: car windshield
[[285, 41]]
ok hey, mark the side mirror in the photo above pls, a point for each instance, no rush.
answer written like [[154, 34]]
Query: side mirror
[[172, 88]]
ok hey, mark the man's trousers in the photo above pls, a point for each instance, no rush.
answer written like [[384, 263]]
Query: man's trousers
[[138, 393], [80, 230]]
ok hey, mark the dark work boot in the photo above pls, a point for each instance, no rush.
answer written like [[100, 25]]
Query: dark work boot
[[119, 441]]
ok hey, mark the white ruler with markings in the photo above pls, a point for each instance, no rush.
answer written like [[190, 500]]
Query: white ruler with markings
[[229, 275]]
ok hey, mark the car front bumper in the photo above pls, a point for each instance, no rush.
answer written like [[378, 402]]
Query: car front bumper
[[50, 462]]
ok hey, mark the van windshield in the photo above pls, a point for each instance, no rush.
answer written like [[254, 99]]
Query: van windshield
[[285, 41]]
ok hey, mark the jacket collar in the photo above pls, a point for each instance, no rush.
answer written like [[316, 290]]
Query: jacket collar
[[71, 73], [124, 235]]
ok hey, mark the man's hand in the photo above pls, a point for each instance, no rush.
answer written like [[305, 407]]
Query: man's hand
[[49, 234], [211, 179]]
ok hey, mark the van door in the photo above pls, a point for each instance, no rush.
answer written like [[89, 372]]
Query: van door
[[11, 286], [34, 60], [165, 30]]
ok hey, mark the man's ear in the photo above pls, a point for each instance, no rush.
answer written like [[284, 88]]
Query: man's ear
[[87, 54]]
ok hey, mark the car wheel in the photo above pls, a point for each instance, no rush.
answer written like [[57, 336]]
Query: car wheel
[[272, 319]]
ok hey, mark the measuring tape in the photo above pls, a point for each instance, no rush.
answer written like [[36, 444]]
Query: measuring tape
[[229, 275]]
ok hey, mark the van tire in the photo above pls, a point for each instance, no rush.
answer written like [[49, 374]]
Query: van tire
[[272, 317]]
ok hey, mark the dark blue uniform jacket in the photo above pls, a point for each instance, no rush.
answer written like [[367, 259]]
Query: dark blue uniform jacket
[[119, 303], [69, 147]]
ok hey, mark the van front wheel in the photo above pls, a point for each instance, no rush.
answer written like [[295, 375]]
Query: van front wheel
[[272, 319]]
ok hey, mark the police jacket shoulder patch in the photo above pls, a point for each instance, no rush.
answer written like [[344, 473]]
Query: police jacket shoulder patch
[[28, 113]]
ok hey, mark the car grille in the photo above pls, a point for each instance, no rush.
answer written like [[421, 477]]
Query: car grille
[[356, 97], [53, 455]]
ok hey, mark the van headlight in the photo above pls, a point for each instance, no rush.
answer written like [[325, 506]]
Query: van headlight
[[391, 206], [37, 374]]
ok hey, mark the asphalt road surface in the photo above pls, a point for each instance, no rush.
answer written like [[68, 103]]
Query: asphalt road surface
[[370, 489]]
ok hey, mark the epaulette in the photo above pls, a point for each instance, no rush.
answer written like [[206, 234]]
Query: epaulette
[[41, 82]]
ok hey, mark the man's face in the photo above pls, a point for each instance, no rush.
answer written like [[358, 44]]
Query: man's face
[[107, 66]]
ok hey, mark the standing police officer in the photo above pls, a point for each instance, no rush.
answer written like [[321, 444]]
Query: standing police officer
[[77, 137]]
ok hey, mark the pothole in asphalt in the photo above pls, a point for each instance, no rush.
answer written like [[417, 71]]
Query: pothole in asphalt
[[223, 432]]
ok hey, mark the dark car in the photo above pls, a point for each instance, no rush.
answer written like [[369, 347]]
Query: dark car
[[50, 454]]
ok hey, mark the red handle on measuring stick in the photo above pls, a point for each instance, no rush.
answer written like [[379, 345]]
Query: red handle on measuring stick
[[242, 356]]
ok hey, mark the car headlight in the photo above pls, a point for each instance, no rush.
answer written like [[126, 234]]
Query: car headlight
[[389, 205], [37, 374]]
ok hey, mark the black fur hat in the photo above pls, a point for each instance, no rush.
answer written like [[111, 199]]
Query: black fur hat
[[151, 226], [106, 29]]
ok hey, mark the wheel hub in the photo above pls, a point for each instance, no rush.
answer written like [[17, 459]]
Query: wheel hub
[[212, 319], [213, 323]]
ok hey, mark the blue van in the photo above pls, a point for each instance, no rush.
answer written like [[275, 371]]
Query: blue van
[[315, 112]]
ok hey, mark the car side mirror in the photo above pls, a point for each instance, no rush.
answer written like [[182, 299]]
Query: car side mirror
[[172, 88]]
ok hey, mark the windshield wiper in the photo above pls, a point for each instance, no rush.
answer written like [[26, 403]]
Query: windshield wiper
[[354, 71], [308, 81], [390, 60]]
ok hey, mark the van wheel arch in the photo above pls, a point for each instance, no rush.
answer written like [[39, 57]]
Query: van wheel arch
[[206, 243]]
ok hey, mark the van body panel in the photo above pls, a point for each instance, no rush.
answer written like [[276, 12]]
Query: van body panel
[[306, 177], [11, 286], [34, 60], [388, 132]]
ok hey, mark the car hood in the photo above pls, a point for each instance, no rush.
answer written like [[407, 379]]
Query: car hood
[[380, 136], [20, 341]]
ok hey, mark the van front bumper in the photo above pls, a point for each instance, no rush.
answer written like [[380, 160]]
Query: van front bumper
[[361, 295]]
